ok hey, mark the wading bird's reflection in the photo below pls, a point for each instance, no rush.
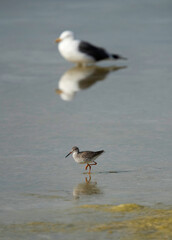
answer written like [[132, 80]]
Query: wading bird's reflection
[[86, 188], [80, 78]]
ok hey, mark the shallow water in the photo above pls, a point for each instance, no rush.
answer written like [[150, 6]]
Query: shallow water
[[48, 105]]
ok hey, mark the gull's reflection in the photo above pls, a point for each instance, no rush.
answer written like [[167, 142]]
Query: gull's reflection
[[86, 188], [79, 78]]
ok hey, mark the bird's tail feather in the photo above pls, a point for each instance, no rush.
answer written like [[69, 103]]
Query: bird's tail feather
[[116, 56]]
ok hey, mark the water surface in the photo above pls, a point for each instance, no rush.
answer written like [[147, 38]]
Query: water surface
[[48, 105]]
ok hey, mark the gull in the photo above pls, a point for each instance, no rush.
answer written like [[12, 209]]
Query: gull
[[82, 52]]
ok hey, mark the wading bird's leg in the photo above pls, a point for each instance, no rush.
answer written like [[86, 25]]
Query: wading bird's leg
[[86, 166], [88, 180], [89, 165], [93, 163], [89, 168]]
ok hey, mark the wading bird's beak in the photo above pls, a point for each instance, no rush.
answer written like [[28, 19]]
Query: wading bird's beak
[[68, 154], [58, 40]]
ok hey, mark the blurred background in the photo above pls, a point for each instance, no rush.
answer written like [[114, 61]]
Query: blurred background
[[48, 106]]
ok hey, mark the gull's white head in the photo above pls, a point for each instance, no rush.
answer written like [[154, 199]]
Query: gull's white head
[[65, 35]]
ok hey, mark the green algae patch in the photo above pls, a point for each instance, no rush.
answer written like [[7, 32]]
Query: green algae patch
[[146, 223], [125, 208], [125, 221], [41, 227], [115, 208]]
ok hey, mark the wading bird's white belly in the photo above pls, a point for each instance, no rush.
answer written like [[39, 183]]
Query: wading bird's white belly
[[81, 160]]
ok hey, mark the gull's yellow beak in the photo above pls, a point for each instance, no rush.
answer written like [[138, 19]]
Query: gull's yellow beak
[[58, 91], [58, 40]]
